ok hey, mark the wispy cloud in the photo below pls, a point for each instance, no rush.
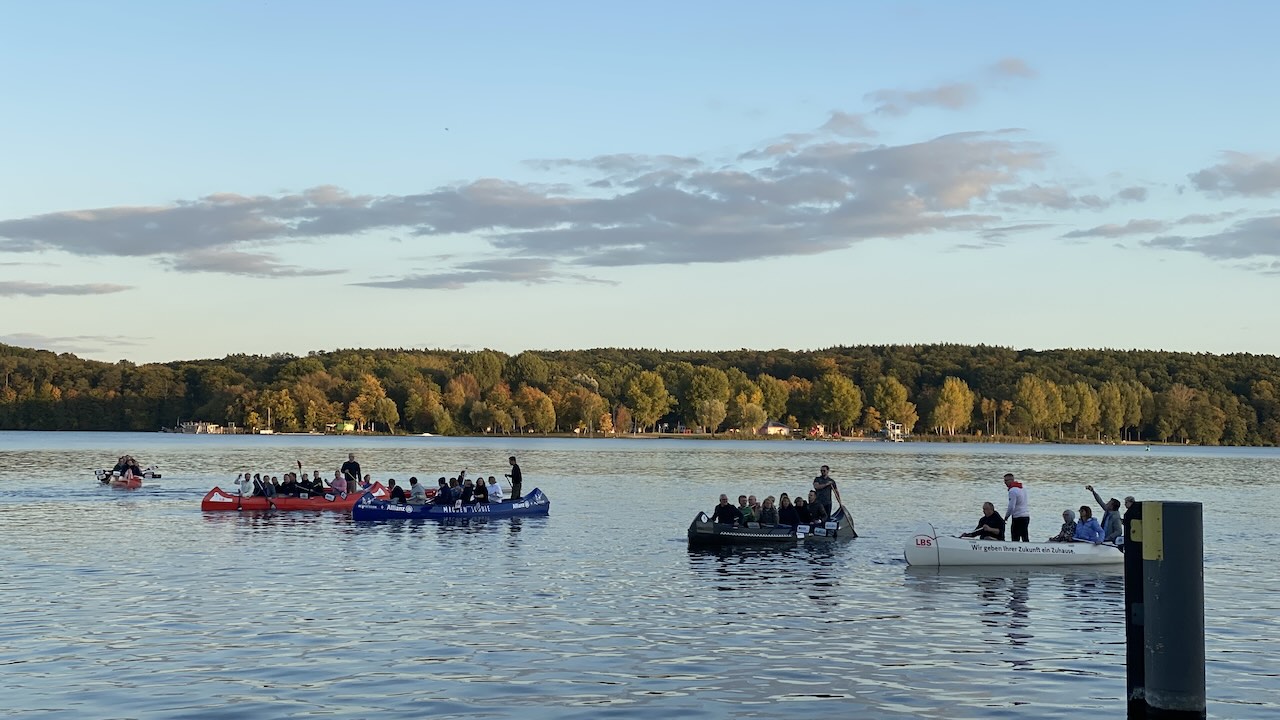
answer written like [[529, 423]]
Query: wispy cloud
[[949, 96], [1052, 197], [72, 343], [1012, 67], [1133, 227], [1253, 238], [1135, 193], [955, 95], [235, 262], [531, 271], [14, 288], [1240, 174]]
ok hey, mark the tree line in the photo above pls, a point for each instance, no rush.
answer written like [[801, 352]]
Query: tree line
[[948, 390]]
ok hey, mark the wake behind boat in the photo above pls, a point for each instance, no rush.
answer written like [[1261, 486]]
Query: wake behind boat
[[927, 548], [703, 532], [373, 508]]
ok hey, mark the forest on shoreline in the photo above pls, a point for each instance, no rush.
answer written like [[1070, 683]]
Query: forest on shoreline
[[945, 390]]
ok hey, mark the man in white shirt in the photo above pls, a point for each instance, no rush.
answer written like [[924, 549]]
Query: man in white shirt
[[417, 492], [1020, 525], [495, 490]]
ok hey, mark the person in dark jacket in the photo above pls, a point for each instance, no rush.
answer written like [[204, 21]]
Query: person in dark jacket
[[725, 514], [787, 513], [990, 525]]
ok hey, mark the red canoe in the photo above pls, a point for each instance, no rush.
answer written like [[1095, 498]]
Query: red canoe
[[132, 482], [217, 499]]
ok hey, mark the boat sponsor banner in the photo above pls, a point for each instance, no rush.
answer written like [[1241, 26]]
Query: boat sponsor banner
[[1014, 547]]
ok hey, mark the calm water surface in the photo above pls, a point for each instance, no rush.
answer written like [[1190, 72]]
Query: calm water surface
[[124, 604]]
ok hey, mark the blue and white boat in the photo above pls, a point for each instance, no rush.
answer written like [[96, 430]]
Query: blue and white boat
[[373, 508]]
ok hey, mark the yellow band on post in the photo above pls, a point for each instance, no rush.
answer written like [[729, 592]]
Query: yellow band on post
[[1153, 533]]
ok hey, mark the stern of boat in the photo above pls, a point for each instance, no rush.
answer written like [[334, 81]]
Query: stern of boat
[[922, 548]]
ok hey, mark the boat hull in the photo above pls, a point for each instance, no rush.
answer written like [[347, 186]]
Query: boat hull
[[704, 533], [219, 500], [926, 548], [373, 508]]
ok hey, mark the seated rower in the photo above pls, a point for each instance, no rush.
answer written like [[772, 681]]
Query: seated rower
[[768, 512], [289, 486], [787, 514], [725, 514], [747, 512], [444, 494], [397, 493], [417, 492], [468, 491], [1088, 529], [817, 511], [339, 483], [494, 490], [990, 525], [480, 495]]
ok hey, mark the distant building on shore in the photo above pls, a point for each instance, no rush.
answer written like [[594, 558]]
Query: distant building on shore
[[773, 427]]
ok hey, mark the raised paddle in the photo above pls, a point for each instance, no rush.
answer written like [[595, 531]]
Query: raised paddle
[[848, 515]]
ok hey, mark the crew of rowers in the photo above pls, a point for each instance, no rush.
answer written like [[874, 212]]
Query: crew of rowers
[[266, 485], [803, 511], [813, 508], [456, 490], [126, 467], [460, 490]]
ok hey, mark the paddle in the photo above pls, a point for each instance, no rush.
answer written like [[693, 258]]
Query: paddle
[[835, 490]]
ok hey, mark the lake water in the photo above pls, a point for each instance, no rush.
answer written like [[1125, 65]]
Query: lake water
[[134, 604]]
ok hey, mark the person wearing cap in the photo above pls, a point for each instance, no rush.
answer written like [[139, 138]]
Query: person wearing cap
[[1018, 514]]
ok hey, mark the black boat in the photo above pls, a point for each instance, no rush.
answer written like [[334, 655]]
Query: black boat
[[704, 532]]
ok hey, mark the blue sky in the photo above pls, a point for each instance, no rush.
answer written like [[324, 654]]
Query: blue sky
[[188, 180]]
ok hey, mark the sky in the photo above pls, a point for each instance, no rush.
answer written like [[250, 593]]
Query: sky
[[190, 180]]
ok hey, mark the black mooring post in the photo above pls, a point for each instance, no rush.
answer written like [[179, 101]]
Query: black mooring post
[[1135, 676], [1173, 610]]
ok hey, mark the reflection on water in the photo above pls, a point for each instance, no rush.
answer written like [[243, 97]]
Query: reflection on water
[[136, 604]]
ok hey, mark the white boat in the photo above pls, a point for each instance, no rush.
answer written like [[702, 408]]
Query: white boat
[[926, 547]]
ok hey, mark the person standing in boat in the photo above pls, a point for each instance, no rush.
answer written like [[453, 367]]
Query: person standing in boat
[[725, 514], [516, 478], [351, 471], [823, 484], [1019, 514], [990, 525]]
